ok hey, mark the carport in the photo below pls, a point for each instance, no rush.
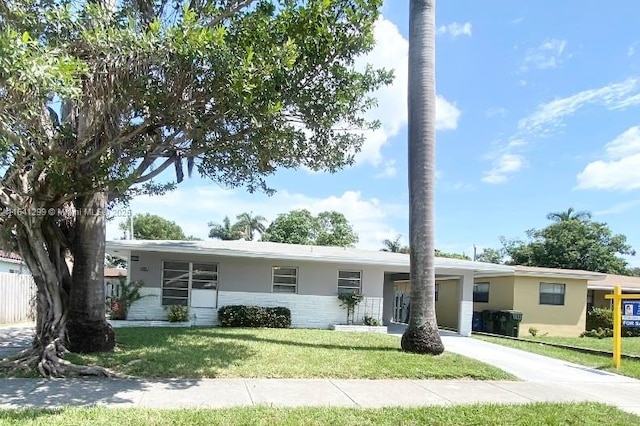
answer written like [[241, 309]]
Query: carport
[[454, 286]]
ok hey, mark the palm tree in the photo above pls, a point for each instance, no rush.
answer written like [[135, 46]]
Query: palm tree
[[570, 214], [421, 335], [394, 245], [250, 224], [226, 231]]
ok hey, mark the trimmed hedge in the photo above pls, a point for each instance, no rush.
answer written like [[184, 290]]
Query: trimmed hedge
[[254, 316]]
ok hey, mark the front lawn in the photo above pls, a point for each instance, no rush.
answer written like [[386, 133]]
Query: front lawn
[[526, 415], [277, 353], [630, 345], [628, 367]]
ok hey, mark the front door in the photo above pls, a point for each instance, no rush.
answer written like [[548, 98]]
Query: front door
[[401, 302]]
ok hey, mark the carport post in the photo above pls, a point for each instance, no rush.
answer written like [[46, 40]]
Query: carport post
[[465, 311]]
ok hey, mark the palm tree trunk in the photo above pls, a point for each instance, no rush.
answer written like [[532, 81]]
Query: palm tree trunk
[[422, 334], [87, 328]]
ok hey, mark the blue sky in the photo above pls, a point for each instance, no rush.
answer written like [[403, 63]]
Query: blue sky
[[538, 111]]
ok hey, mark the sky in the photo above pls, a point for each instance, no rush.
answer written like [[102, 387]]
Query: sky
[[538, 110]]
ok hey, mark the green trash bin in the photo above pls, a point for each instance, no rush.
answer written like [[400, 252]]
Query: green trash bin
[[510, 322], [488, 321]]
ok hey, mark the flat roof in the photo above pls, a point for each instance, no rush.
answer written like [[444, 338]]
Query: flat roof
[[269, 250]]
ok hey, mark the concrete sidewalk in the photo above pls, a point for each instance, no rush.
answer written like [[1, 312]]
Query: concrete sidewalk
[[15, 337], [218, 393]]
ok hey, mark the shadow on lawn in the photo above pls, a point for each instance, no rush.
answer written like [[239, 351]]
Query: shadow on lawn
[[253, 338]]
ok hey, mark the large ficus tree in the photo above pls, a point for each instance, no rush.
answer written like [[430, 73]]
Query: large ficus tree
[[99, 97]]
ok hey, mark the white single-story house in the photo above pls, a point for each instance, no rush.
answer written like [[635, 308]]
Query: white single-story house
[[206, 275]]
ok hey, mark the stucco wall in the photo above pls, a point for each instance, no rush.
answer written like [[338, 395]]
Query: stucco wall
[[557, 320], [448, 303], [254, 275], [501, 293]]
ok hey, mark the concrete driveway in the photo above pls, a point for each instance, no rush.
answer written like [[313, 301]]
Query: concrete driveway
[[524, 365], [14, 338]]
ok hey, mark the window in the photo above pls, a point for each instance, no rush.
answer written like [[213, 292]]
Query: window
[[552, 294], [349, 282], [590, 294], [437, 290], [481, 292], [179, 277], [285, 279]]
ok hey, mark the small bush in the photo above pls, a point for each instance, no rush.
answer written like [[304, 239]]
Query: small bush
[[254, 316], [533, 331], [599, 333], [371, 321], [178, 313], [599, 318]]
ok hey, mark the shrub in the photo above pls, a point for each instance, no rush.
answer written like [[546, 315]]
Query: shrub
[[127, 294], [177, 313], [350, 301], [599, 333], [533, 331], [599, 318], [371, 321], [254, 316]]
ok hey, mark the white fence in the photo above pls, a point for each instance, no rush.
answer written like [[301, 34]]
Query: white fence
[[16, 294]]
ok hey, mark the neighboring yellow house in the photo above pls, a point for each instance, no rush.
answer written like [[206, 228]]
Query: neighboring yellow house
[[551, 300], [598, 289]]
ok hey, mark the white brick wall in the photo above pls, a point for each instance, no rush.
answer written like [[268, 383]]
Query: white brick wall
[[306, 311]]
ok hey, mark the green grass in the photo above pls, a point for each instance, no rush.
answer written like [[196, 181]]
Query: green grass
[[529, 415], [276, 353], [628, 367], [630, 345]]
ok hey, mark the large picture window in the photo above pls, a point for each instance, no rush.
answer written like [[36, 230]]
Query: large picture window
[[285, 279], [178, 278], [349, 282], [552, 294]]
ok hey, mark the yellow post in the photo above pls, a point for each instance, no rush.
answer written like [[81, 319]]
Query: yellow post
[[617, 297], [617, 325]]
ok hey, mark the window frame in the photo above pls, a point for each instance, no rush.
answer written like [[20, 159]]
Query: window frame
[[358, 288], [437, 290], [476, 299], [274, 275], [552, 294], [189, 280]]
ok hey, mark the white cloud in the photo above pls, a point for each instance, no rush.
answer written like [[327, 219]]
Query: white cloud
[[516, 21], [549, 116], [505, 164], [389, 170], [548, 55], [631, 50], [369, 217], [391, 52], [456, 29], [620, 169]]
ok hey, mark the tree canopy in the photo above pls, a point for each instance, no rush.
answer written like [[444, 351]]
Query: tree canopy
[[329, 228], [98, 98], [153, 227], [573, 241]]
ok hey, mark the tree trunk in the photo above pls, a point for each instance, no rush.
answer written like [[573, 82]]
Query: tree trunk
[[422, 334], [87, 328], [42, 250]]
